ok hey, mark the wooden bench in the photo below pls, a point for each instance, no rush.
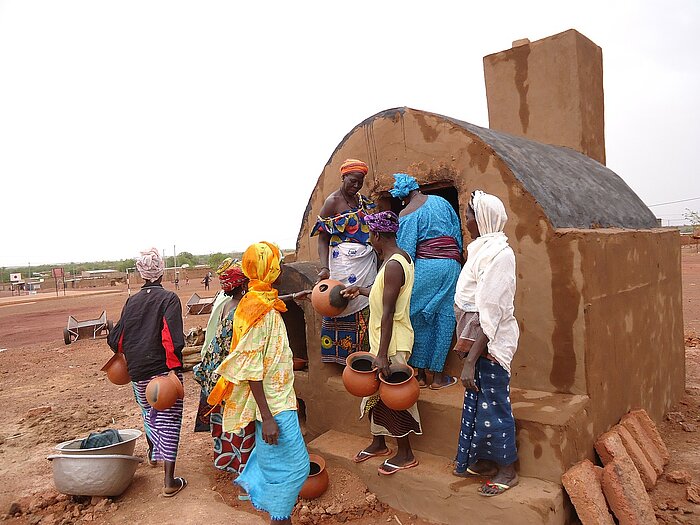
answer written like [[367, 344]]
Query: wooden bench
[[86, 328], [197, 305]]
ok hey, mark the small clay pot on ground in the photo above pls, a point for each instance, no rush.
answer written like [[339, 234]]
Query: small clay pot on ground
[[317, 482], [400, 390], [360, 375], [326, 298], [299, 363], [116, 369]]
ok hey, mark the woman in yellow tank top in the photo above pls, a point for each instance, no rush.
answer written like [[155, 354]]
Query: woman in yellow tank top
[[391, 340]]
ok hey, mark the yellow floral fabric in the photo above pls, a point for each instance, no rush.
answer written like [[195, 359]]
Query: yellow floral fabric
[[262, 354]]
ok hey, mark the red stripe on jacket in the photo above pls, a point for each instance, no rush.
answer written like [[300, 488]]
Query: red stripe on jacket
[[120, 344], [171, 359]]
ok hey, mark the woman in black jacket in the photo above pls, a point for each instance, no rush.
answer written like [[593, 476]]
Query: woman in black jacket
[[150, 335]]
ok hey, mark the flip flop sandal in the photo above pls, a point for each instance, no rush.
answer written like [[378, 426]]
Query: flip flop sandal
[[183, 484], [500, 488], [363, 455], [453, 381], [396, 468]]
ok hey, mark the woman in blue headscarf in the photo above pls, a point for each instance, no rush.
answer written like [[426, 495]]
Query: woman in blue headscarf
[[431, 234]]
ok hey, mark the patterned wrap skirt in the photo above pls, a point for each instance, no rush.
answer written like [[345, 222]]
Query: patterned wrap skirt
[[488, 426], [383, 421], [341, 336]]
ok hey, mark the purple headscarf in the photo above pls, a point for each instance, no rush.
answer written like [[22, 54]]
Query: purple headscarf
[[150, 265], [383, 222]]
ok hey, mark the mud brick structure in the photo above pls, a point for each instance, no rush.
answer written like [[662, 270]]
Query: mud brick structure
[[598, 286]]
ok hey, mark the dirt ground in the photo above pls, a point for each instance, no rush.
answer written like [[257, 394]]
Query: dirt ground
[[50, 392]]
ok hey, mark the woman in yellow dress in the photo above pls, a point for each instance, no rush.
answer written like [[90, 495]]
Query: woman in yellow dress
[[391, 341], [257, 384]]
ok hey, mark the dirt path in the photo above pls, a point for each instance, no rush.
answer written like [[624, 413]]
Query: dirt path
[[51, 392]]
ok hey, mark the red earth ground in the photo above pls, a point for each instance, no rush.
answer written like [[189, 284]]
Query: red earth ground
[[50, 392]]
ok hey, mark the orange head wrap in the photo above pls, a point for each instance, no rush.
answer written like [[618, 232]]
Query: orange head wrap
[[353, 165]]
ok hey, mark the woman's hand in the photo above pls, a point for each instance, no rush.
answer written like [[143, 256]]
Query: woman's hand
[[324, 273], [350, 292], [270, 431], [467, 376], [382, 364]]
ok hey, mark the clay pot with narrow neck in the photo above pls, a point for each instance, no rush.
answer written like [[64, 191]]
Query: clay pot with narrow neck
[[317, 482], [116, 369], [360, 375], [178, 384], [400, 390], [326, 298], [161, 392]]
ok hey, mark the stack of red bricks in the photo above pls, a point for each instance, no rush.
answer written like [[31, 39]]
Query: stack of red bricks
[[634, 456]]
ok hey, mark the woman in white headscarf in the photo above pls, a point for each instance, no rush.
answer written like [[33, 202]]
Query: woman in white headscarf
[[487, 338]]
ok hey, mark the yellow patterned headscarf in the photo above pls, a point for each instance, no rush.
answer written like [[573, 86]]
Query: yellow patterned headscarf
[[261, 264]]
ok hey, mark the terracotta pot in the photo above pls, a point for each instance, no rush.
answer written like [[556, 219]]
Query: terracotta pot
[[359, 375], [317, 482], [400, 390], [326, 298], [116, 369], [161, 393], [299, 363], [178, 385]]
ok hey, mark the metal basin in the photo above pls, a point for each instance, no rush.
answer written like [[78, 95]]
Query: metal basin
[[126, 447], [93, 475]]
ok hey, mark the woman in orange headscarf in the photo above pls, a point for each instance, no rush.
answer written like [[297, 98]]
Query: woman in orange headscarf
[[257, 384]]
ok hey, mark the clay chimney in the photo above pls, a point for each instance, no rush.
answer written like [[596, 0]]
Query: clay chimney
[[551, 91]]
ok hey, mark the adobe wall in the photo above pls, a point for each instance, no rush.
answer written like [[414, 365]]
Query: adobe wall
[[634, 322], [551, 91]]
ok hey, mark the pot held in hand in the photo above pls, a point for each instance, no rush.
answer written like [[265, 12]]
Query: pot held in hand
[[400, 390], [116, 369], [317, 482], [360, 375], [327, 299]]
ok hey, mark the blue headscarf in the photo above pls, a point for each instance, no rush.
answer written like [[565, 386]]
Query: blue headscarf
[[403, 185]]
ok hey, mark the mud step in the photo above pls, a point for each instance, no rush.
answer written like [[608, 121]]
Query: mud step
[[551, 428], [432, 492]]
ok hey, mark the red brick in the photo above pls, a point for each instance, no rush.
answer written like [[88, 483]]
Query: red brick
[[632, 424], [609, 446], [650, 427], [646, 471], [625, 493], [582, 483]]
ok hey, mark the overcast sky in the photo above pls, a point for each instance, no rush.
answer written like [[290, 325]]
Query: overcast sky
[[205, 125]]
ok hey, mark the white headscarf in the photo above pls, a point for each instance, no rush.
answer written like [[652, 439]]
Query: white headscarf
[[491, 218], [150, 265]]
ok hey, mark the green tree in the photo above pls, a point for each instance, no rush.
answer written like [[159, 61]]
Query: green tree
[[215, 259], [186, 258], [125, 263]]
